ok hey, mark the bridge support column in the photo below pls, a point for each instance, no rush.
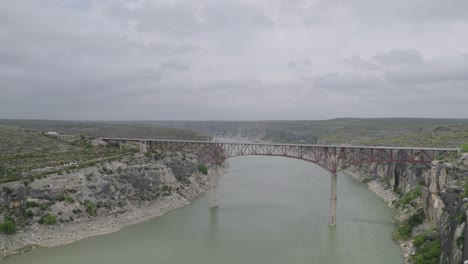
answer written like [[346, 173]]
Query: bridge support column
[[213, 179], [143, 148], [333, 199]]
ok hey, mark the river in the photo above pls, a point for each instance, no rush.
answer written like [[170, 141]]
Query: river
[[271, 210]]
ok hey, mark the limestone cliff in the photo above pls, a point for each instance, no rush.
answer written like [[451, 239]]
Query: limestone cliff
[[431, 197]]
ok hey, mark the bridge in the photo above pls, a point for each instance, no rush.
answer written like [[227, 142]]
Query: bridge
[[330, 157]]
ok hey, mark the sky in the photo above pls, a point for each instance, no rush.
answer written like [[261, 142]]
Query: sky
[[233, 59]]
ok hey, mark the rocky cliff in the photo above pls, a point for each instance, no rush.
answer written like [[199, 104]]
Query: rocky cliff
[[432, 207], [71, 205]]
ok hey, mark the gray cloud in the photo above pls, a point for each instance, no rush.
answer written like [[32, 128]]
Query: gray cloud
[[395, 57], [349, 83], [358, 62], [236, 59], [439, 70]]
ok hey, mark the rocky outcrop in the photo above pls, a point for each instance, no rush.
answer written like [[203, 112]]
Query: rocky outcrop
[[440, 194], [65, 207]]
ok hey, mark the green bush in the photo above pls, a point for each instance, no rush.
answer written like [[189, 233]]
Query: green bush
[[31, 204], [410, 196], [404, 231], [464, 148], [203, 169], [418, 240], [60, 197], [460, 241], [417, 218], [429, 253], [8, 227], [29, 214], [12, 177], [464, 194], [68, 199], [90, 208], [48, 219]]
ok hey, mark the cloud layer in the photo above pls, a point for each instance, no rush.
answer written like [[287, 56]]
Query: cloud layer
[[232, 59]]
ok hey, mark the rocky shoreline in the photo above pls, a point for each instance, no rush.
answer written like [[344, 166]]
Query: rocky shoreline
[[431, 206], [36, 235]]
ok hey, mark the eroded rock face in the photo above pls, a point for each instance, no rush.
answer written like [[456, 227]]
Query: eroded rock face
[[101, 198], [111, 187], [441, 185], [451, 228]]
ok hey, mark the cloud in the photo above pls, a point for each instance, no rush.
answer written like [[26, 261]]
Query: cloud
[[236, 59], [395, 57], [439, 70], [349, 83], [357, 62]]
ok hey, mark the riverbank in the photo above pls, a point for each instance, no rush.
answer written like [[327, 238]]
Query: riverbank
[[129, 206], [39, 236]]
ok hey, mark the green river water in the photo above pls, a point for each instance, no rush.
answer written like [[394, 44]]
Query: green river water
[[271, 210]]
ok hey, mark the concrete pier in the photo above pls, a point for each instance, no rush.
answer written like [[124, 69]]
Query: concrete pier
[[143, 147], [333, 199], [213, 183]]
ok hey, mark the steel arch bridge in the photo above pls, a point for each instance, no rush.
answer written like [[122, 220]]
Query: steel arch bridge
[[330, 157]]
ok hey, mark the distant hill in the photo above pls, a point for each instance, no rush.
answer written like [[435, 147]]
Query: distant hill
[[106, 129], [354, 131]]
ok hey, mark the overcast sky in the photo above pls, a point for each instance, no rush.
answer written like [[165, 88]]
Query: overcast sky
[[233, 59]]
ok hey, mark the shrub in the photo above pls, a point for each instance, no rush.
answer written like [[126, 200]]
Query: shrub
[[166, 190], [60, 197], [30, 204], [404, 231], [8, 227], [416, 218], [44, 206], [464, 194], [464, 148], [90, 208], [407, 198], [48, 219], [418, 240], [12, 177], [29, 214], [460, 241], [68, 199], [429, 253], [203, 169]]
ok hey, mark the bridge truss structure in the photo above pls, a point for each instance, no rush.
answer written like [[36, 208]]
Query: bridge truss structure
[[330, 157]]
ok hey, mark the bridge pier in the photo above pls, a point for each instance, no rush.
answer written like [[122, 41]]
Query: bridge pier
[[143, 148], [213, 179], [333, 199]]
